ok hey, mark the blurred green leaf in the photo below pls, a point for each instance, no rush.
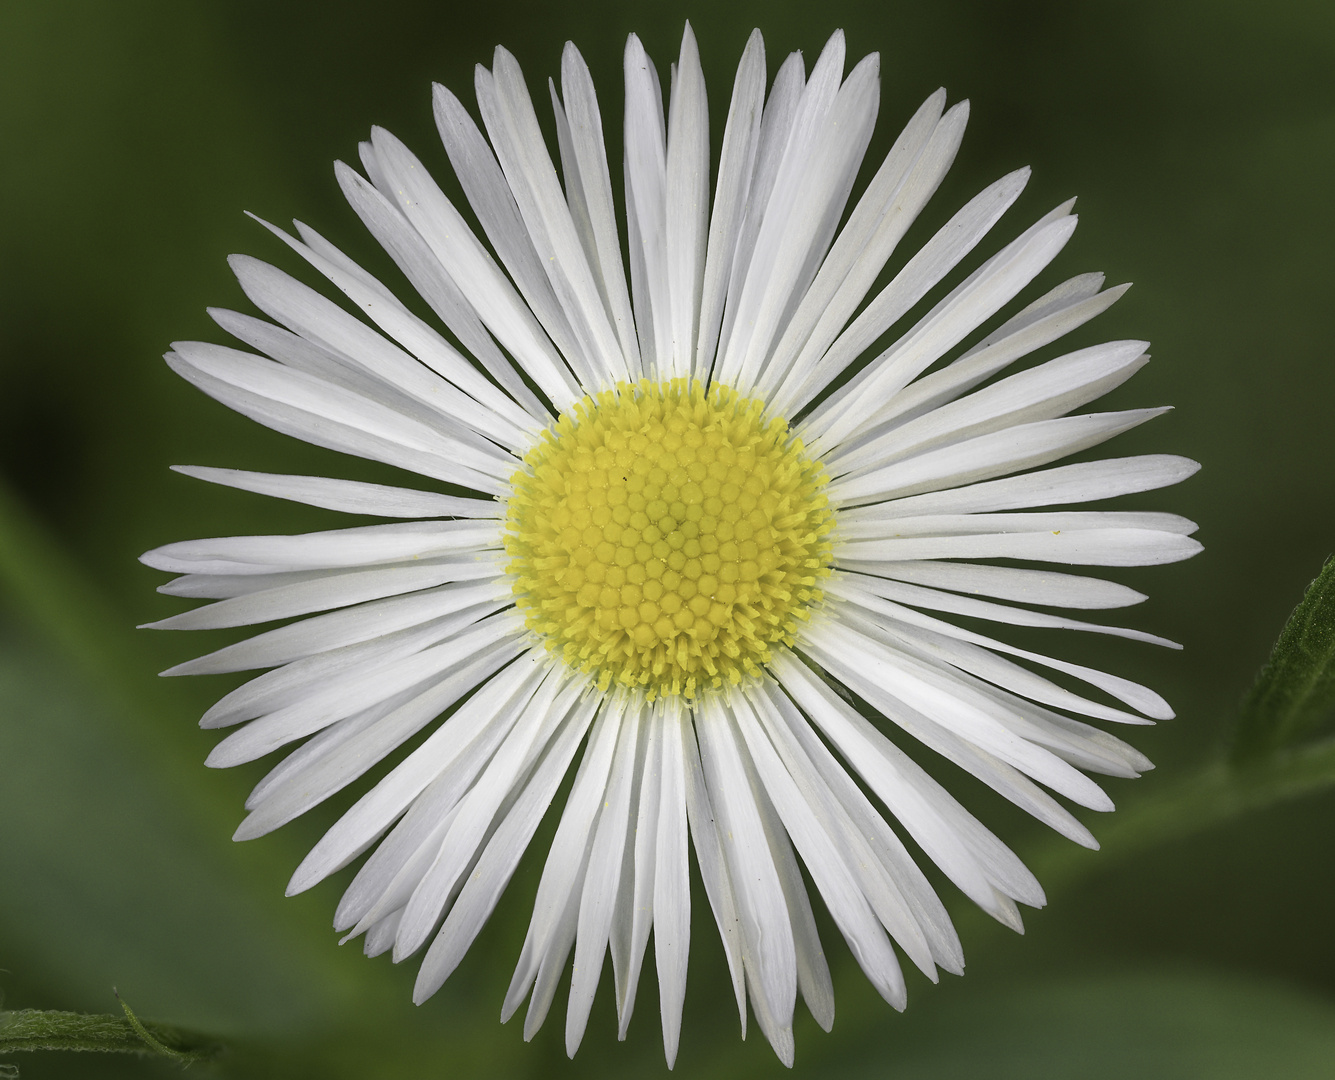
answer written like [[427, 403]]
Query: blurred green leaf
[[1156, 1025], [1294, 695], [39, 1029]]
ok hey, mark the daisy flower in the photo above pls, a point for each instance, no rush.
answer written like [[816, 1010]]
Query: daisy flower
[[700, 525]]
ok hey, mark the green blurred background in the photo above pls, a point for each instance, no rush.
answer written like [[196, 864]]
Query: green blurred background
[[1200, 137]]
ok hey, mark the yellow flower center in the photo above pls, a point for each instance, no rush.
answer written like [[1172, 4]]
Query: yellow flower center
[[665, 536]]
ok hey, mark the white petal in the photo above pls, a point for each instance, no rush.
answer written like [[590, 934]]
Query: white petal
[[334, 700], [965, 851], [878, 223], [514, 131], [1088, 481], [1048, 390], [602, 882], [713, 866], [501, 696], [908, 691], [586, 139], [493, 200], [1084, 547], [768, 949], [741, 138], [897, 891], [776, 125], [646, 206], [478, 808], [504, 849], [936, 600], [857, 403], [322, 776], [1068, 306], [636, 917], [325, 414], [506, 315], [345, 627], [813, 973], [672, 881], [1045, 587], [324, 592], [986, 456], [319, 550], [686, 192], [551, 930], [969, 651], [349, 496], [345, 665], [320, 320], [431, 280], [826, 864]]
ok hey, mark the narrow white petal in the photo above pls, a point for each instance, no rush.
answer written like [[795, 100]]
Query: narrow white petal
[[1040, 393], [898, 893], [965, 851], [813, 973], [826, 863], [737, 159], [642, 856], [602, 881], [1068, 306], [494, 869], [704, 833], [1046, 587], [504, 694], [321, 594], [970, 652], [831, 129], [489, 292], [857, 403], [686, 192], [513, 126], [672, 881], [335, 700], [346, 627], [421, 267], [290, 683], [646, 205], [776, 125], [493, 200], [349, 496], [586, 138], [767, 934], [551, 930], [906, 690], [987, 456], [951, 243], [318, 319], [325, 414], [936, 600], [334, 769], [478, 809], [328, 549], [878, 223], [1081, 547], [1088, 481]]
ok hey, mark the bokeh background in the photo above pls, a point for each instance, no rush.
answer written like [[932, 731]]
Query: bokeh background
[[1200, 138]]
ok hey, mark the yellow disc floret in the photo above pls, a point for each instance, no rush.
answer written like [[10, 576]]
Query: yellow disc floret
[[665, 536]]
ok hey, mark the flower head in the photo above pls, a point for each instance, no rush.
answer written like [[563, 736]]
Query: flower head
[[685, 519]]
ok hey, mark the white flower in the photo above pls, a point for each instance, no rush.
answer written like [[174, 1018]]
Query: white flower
[[721, 556]]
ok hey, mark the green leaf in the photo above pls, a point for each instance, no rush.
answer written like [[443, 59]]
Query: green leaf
[[1294, 696], [38, 1029]]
